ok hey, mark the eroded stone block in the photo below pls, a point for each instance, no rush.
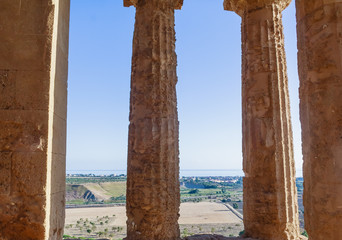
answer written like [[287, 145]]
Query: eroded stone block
[[29, 173], [5, 172], [22, 216], [23, 131]]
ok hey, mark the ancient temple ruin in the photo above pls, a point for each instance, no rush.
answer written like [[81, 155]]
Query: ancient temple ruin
[[33, 92]]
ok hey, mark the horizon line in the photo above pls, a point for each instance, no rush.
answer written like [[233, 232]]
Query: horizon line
[[232, 169]]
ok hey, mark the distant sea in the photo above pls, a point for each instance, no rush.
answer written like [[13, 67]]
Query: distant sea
[[183, 172]]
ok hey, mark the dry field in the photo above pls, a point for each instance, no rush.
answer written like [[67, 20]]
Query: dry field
[[202, 217], [206, 213]]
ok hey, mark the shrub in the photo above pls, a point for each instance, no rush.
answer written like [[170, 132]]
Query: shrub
[[185, 232], [193, 191]]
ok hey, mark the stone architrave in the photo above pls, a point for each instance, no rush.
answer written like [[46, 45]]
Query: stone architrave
[[153, 196], [33, 91], [270, 198], [319, 28]]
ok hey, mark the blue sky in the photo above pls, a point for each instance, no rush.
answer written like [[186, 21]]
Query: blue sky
[[209, 84]]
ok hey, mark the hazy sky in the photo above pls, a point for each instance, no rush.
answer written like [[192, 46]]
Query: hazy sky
[[209, 84]]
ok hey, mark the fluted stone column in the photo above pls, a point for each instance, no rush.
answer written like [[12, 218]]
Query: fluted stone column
[[319, 28], [153, 154], [34, 38], [270, 198]]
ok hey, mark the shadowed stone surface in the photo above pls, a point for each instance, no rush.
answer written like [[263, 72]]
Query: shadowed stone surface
[[270, 198], [33, 80], [153, 164], [319, 31]]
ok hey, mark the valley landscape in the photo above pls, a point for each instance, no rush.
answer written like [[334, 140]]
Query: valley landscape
[[209, 205]]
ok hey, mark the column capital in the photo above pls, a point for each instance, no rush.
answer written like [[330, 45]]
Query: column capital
[[240, 6], [175, 4]]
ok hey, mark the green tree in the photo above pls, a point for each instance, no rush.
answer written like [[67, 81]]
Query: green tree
[[193, 191], [305, 233]]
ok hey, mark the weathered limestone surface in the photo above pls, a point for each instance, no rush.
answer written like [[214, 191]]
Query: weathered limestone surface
[[153, 154], [270, 198], [33, 75], [243, 6], [319, 28]]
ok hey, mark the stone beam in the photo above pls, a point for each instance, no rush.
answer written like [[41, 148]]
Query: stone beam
[[319, 30], [33, 91], [175, 4], [270, 197], [153, 196]]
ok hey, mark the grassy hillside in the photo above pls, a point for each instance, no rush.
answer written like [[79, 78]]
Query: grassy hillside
[[103, 191], [115, 189], [75, 193], [77, 189], [106, 190]]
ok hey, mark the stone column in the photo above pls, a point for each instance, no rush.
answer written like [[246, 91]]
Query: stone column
[[33, 90], [270, 197], [153, 154], [319, 28]]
